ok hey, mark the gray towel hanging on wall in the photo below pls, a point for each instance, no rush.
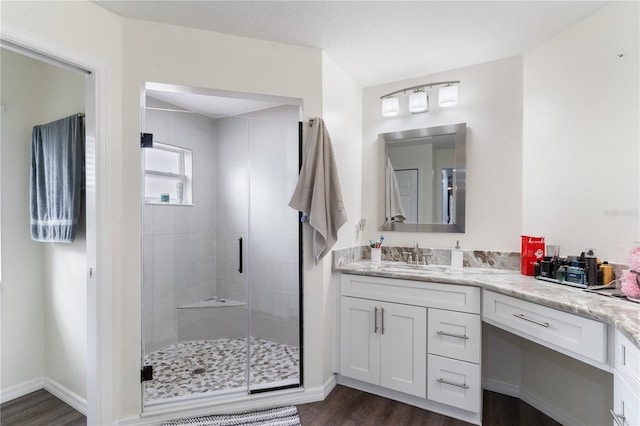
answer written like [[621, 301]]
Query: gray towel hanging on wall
[[317, 193], [57, 161]]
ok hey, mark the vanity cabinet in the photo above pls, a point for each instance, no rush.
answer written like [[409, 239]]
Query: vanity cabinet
[[418, 338], [626, 382], [384, 344]]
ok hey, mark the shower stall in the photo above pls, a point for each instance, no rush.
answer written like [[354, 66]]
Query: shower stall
[[221, 247]]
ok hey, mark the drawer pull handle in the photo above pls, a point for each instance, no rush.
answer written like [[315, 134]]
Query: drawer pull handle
[[620, 420], [521, 316], [446, 382], [459, 336], [375, 320]]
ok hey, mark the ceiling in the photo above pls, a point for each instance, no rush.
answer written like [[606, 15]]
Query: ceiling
[[378, 42], [213, 106]]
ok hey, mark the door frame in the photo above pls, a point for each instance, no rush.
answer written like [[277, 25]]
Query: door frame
[[98, 210]]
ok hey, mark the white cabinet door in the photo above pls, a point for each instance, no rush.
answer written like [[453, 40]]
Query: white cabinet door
[[403, 348], [360, 339], [626, 404]]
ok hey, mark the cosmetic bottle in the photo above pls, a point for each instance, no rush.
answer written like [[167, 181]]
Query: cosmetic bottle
[[456, 256], [591, 266]]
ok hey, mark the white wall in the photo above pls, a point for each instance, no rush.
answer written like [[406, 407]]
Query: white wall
[[342, 114], [62, 94], [490, 102], [580, 135], [44, 304], [23, 277]]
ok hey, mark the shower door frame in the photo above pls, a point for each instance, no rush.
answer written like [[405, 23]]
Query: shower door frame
[[149, 409]]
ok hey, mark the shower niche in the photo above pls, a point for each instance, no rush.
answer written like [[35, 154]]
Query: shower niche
[[221, 247]]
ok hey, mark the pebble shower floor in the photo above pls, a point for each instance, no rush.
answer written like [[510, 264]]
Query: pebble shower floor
[[196, 367]]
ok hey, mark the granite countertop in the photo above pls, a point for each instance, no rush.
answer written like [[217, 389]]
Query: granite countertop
[[622, 313]]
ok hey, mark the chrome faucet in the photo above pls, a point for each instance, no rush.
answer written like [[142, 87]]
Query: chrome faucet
[[414, 257]]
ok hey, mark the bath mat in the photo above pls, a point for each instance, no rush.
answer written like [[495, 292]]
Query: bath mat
[[282, 416]]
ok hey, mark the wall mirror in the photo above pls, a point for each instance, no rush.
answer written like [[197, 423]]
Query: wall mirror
[[425, 179]]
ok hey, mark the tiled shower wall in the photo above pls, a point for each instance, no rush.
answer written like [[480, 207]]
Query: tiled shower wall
[[191, 253], [179, 246]]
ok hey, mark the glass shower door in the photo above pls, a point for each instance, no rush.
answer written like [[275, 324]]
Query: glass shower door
[[273, 254]]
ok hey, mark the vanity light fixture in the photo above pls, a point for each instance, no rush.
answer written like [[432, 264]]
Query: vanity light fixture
[[418, 102], [390, 106], [448, 95], [419, 98]]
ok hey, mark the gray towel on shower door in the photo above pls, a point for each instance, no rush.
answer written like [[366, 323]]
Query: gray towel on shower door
[[317, 192], [57, 160]]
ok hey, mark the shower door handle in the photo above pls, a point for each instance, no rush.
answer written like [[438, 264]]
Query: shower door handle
[[240, 255]]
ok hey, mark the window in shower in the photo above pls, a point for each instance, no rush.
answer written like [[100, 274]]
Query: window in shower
[[222, 279], [167, 174]]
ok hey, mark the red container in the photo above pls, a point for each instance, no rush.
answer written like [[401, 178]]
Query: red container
[[532, 251]]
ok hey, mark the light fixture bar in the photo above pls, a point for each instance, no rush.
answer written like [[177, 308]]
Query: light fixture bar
[[421, 86]]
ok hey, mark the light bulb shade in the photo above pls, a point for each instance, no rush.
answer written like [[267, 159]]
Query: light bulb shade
[[448, 96], [390, 107], [418, 102]]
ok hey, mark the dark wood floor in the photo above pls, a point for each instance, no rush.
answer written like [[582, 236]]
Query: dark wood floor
[[343, 407], [350, 407], [39, 408]]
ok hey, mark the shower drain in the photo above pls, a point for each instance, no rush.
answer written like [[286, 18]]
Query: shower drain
[[199, 370]]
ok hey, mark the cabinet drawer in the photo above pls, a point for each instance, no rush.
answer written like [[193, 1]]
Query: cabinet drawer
[[626, 404], [579, 337], [454, 335], [627, 361], [418, 293], [453, 382]]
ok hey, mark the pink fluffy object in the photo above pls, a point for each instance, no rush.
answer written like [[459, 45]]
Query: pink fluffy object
[[631, 278]]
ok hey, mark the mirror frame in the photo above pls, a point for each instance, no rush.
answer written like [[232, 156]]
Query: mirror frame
[[459, 177]]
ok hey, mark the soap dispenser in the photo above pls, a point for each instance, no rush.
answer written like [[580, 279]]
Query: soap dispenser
[[456, 256]]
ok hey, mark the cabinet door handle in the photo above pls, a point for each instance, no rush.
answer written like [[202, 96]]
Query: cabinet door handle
[[459, 336], [446, 382], [375, 320], [240, 255], [382, 317], [619, 419], [521, 316]]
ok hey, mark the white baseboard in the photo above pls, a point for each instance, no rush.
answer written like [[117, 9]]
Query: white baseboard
[[502, 388], [532, 399], [50, 386], [549, 409], [21, 389], [233, 403], [64, 394]]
